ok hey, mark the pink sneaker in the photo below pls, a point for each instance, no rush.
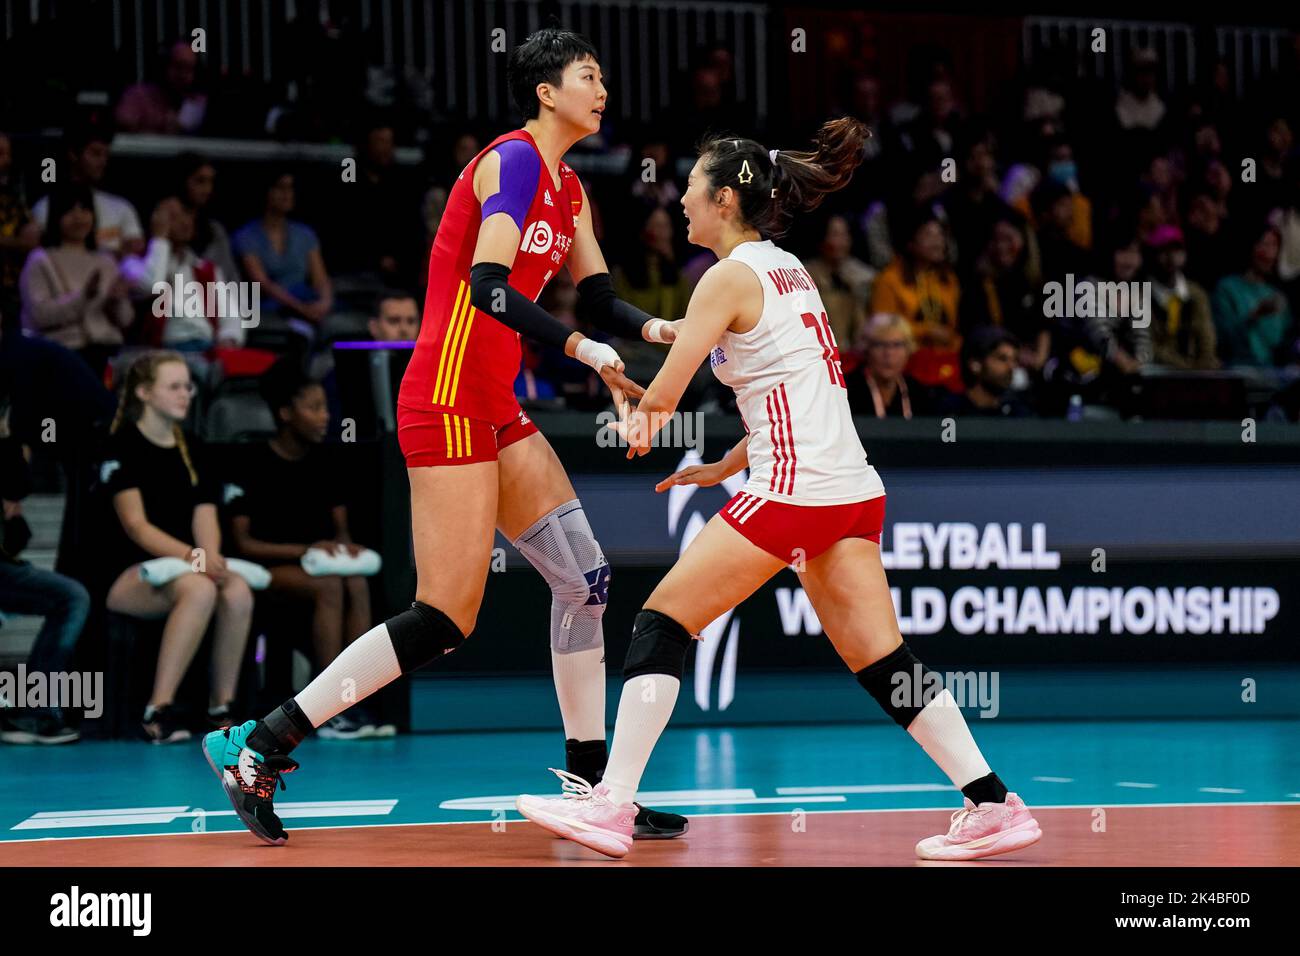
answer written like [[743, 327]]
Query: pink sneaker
[[584, 815], [986, 830]]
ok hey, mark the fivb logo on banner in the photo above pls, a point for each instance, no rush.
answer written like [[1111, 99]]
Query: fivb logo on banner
[[711, 638]]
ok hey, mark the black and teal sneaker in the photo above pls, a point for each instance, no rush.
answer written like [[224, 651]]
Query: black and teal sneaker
[[249, 779], [657, 825]]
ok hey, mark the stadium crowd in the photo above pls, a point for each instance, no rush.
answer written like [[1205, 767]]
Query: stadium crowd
[[952, 270]]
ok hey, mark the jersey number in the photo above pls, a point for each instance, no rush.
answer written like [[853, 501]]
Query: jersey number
[[830, 351]]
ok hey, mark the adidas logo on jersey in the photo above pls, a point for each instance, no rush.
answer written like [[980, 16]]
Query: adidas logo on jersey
[[546, 197]]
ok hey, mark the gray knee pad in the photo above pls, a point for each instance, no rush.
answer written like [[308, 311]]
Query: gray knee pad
[[561, 546]]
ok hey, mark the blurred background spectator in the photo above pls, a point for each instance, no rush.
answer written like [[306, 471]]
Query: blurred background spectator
[[71, 292], [172, 104], [85, 160]]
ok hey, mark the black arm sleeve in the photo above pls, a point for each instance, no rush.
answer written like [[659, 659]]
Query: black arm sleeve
[[491, 293], [598, 306]]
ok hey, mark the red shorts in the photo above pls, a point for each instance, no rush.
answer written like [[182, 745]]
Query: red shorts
[[790, 532], [435, 437]]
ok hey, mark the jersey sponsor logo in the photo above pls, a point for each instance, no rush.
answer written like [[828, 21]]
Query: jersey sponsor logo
[[230, 492], [537, 238], [106, 470], [717, 357]]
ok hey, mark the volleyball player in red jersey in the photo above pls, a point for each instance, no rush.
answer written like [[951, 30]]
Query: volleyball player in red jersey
[[515, 216]]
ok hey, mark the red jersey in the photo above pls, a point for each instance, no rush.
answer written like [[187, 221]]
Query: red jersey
[[465, 359]]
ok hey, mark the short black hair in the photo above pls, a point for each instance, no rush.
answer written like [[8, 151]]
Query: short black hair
[[542, 58], [282, 383], [63, 199], [394, 293], [85, 130], [980, 343]]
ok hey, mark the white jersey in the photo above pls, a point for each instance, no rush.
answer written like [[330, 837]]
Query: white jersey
[[803, 448]]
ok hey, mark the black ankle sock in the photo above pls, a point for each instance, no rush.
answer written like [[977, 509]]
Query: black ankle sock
[[283, 729], [586, 758], [987, 789]]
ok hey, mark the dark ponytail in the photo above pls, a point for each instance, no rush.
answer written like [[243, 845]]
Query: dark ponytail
[[771, 192]]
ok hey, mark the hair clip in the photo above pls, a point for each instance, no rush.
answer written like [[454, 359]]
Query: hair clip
[[771, 154], [746, 175]]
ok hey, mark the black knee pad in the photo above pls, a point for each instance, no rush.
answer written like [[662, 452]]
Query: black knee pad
[[658, 646], [901, 684], [421, 634]]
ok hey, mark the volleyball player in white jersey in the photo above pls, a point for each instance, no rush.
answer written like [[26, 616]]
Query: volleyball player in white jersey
[[811, 501]]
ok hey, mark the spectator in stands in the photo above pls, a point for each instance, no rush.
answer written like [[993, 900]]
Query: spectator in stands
[[284, 257], [973, 204], [649, 277], [988, 364], [1054, 172], [1149, 210], [1160, 179], [1217, 181], [19, 234], [843, 280], [1209, 247], [1271, 188], [1059, 251], [175, 105], [71, 292], [932, 133], [886, 221], [187, 325], [1182, 328], [196, 183], [164, 495], [1139, 106], [920, 286], [375, 223], [465, 147], [654, 184], [1005, 291], [286, 500], [26, 589], [1251, 314], [444, 167], [86, 154], [431, 212], [1287, 220], [1121, 345], [396, 318], [874, 371]]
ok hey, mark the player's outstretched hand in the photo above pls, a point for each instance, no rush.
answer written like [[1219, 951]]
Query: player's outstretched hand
[[703, 475], [621, 388]]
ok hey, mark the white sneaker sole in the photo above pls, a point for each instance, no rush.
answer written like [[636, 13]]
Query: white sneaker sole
[[593, 838], [1008, 841]]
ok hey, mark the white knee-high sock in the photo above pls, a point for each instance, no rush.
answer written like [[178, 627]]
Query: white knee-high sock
[[366, 665], [643, 713], [580, 689], [941, 731]]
